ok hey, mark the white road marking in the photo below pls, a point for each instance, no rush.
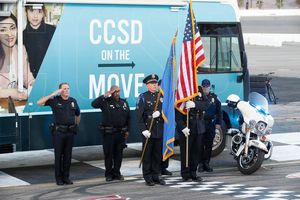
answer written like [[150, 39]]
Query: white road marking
[[294, 175], [8, 181]]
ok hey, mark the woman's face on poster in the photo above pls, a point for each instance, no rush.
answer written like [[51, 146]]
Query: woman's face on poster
[[8, 32], [35, 17]]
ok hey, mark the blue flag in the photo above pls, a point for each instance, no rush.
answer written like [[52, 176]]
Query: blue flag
[[168, 110]]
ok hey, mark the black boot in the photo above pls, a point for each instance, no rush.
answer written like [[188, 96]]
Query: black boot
[[166, 172], [207, 167], [200, 167]]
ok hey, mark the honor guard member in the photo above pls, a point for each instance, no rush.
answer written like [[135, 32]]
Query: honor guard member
[[66, 115], [213, 120], [150, 124], [194, 132], [115, 123]]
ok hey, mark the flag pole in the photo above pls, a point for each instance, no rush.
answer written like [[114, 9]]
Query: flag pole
[[187, 141], [150, 127], [187, 114]]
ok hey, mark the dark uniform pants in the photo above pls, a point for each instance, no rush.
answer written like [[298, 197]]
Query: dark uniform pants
[[113, 152], [195, 142], [63, 143], [152, 159], [164, 164], [209, 136]]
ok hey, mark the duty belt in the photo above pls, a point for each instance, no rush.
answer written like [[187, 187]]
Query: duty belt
[[65, 128], [111, 129], [195, 116]]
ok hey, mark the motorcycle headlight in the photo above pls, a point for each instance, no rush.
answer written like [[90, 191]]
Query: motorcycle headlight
[[268, 131], [260, 127], [252, 123]]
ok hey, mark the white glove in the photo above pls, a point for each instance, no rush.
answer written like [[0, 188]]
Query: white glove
[[217, 131], [146, 133], [190, 104], [156, 114], [186, 131]]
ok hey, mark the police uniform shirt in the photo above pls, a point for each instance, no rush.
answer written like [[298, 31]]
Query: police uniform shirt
[[145, 108], [214, 111], [195, 115], [64, 111], [115, 113]]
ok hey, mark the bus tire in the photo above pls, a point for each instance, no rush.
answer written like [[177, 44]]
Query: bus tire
[[219, 142]]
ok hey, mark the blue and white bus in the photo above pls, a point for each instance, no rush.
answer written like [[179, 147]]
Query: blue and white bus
[[99, 43]]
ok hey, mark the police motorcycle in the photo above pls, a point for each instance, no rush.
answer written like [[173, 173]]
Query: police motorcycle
[[250, 145]]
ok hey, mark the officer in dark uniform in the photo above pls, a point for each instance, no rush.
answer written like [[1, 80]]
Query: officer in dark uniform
[[194, 132], [150, 124], [213, 120], [66, 119], [115, 122]]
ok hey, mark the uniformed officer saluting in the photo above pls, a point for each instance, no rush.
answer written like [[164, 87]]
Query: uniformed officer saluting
[[115, 122], [66, 118], [195, 130], [145, 114], [213, 120]]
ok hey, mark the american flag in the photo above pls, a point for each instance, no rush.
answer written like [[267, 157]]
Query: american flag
[[192, 56]]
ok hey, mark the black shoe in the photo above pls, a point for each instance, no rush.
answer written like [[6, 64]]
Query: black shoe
[[160, 182], [197, 179], [68, 182], [185, 178], [109, 178], [119, 177], [207, 167], [59, 182], [150, 183], [200, 168], [166, 172]]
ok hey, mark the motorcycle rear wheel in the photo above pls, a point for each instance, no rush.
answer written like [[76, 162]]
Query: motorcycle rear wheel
[[252, 162]]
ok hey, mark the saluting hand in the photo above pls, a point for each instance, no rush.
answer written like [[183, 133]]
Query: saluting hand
[[57, 92]]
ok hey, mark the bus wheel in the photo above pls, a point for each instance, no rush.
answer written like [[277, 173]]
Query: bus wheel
[[219, 142]]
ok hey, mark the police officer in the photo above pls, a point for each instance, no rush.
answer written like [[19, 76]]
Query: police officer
[[66, 118], [115, 122], [213, 120], [150, 124], [194, 133]]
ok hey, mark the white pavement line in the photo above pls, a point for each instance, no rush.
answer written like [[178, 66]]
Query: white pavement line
[[27, 159], [269, 12], [130, 167], [294, 175], [269, 39], [286, 153], [287, 138], [8, 181]]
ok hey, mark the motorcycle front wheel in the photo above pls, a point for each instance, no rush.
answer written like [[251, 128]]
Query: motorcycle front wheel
[[252, 162]]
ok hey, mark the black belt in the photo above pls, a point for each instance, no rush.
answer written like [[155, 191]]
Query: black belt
[[196, 116], [111, 129], [65, 128]]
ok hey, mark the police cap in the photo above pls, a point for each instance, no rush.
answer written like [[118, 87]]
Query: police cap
[[153, 78], [205, 83]]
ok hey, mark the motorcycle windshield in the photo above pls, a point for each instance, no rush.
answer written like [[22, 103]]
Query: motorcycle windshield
[[259, 102]]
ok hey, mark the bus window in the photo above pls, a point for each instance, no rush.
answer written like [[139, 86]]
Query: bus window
[[221, 48]]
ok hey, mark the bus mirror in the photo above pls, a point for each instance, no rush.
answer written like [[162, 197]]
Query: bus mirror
[[244, 61], [240, 78]]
